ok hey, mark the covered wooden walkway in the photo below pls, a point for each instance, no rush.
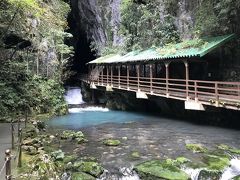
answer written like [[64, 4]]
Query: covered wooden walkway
[[139, 72]]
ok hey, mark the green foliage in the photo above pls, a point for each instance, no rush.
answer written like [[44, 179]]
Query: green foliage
[[33, 56]]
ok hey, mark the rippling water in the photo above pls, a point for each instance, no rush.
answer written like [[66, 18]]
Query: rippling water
[[153, 137]]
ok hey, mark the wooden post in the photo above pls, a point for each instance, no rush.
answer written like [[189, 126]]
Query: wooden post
[[107, 74], [138, 77], [102, 74], [12, 133], [8, 164], [20, 149], [119, 74], [98, 75], [111, 76], [128, 77], [151, 79], [195, 90], [167, 78], [187, 79], [216, 95]]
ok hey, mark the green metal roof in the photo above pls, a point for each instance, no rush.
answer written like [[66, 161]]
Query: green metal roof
[[186, 49]]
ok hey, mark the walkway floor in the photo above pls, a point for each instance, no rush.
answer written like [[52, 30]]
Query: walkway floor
[[5, 143]]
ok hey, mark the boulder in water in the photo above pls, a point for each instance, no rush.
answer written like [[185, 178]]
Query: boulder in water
[[157, 169], [89, 167], [82, 176], [196, 148], [111, 142]]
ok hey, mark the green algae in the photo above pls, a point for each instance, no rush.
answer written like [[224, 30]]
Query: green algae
[[135, 155], [82, 176], [196, 148], [216, 163], [111, 142], [89, 167], [157, 169]]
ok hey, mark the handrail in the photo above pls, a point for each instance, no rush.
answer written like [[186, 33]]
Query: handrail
[[203, 90]]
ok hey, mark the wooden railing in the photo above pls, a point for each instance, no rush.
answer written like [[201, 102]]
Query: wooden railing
[[216, 93]]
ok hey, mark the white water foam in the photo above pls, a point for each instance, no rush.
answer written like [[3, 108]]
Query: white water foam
[[74, 96], [232, 171], [124, 174], [193, 173], [89, 108]]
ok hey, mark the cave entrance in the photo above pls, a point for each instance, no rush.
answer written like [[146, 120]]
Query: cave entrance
[[83, 52]]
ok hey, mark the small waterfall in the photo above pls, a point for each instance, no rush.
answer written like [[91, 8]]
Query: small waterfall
[[88, 108], [123, 174], [74, 96], [232, 171], [193, 173]]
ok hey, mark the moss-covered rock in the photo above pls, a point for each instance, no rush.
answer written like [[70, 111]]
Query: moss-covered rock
[[89, 167], [58, 155], [135, 155], [111, 142], [196, 148], [82, 176], [72, 135], [237, 177], [69, 158], [205, 174], [216, 163], [156, 169]]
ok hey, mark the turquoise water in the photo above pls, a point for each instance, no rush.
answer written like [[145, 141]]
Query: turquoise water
[[93, 118]]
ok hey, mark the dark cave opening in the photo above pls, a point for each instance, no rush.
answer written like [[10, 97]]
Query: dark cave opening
[[82, 51]]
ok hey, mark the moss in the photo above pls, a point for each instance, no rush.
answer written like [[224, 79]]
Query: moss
[[82, 176], [196, 148], [93, 168], [69, 158], [160, 170], [135, 155], [237, 177], [213, 175], [215, 163], [111, 142], [234, 151]]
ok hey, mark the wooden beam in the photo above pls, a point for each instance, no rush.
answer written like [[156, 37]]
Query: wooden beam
[[128, 77], [167, 78], [151, 78], [119, 76], [138, 77], [187, 78]]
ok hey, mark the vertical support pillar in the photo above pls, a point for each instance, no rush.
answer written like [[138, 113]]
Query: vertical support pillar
[[102, 74], [138, 77], [12, 134], [119, 76], [111, 76], [167, 78], [98, 74], [107, 74], [8, 164], [187, 79], [195, 91], [20, 149], [151, 78], [128, 77], [216, 95]]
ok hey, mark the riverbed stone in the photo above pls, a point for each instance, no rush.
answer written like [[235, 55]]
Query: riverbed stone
[[135, 155], [82, 176], [196, 148], [205, 174], [157, 170], [89, 167], [111, 142], [216, 163], [58, 155]]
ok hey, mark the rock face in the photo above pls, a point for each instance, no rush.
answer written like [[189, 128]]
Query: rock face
[[93, 18]]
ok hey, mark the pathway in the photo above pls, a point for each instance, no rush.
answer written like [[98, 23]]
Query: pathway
[[5, 143]]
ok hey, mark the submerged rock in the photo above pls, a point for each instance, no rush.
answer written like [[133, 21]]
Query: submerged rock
[[135, 155], [205, 174], [157, 169], [82, 176], [196, 148], [89, 167], [57, 155], [72, 135], [216, 163], [111, 142], [236, 178]]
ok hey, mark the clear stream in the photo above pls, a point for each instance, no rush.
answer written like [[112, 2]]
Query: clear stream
[[153, 137]]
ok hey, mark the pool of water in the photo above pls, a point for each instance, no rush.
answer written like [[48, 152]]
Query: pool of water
[[154, 137], [92, 116]]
